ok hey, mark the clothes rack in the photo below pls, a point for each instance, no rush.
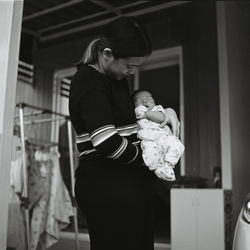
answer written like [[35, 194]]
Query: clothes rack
[[30, 114], [40, 144], [44, 120], [39, 111]]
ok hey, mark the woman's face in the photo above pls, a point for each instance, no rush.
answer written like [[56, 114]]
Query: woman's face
[[122, 67]]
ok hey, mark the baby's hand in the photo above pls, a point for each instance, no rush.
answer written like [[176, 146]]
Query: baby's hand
[[165, 173], [140, 111]]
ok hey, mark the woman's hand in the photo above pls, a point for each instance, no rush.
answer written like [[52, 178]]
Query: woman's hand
[[172, 119]]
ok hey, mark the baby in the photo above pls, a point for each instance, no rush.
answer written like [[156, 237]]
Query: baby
[[161, 149]]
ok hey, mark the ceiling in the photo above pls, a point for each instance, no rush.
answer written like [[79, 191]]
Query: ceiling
[[48, 20]]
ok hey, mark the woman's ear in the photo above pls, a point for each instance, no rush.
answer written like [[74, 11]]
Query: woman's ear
[[107, 53]]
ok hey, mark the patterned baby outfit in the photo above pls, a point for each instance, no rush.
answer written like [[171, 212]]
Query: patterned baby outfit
[[160, 147]]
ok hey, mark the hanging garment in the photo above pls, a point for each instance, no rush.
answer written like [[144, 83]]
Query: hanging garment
[[36, 179], [51, 213], [16, 226], [16, 169], [16, 148], [63, 148]]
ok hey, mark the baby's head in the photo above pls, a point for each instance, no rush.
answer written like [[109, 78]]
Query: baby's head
[[143, 97]]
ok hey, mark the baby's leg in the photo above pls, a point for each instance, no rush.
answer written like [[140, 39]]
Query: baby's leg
[[152, 156], [148, 134], [174, 150], [166, 173]]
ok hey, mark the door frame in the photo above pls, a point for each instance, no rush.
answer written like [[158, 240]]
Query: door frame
[[58, 76]]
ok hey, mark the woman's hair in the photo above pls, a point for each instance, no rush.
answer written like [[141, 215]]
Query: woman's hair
[[125, 36]]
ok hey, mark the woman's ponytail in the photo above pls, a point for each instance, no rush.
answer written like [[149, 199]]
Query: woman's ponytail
[[90, 55], [91, 52]]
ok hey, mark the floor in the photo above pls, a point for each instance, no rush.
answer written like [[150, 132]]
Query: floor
[[67, 241]]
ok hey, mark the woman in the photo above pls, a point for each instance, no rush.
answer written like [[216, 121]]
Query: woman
[[112, 188]]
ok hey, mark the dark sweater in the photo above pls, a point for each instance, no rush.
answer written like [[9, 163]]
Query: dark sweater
[[102, 114]]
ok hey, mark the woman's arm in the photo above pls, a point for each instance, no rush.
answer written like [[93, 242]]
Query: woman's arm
[[96, 112], [172, 119]]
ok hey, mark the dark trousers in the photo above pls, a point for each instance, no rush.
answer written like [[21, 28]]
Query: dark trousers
[[117, 202]]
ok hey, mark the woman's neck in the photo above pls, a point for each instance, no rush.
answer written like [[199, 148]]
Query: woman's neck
[[98, 66]]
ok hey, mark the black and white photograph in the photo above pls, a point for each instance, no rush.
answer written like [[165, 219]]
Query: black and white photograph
[[124, 125]]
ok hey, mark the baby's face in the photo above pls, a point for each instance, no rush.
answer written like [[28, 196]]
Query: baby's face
[[144, 98]]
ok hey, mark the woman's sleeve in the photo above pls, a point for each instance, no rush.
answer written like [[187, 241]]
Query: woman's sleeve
[[96, 112]]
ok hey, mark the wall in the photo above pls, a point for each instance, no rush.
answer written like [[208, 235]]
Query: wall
[[193, 26], [38, 94], [238, 51]]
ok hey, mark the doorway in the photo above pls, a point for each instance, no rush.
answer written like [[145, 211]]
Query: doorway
[[162, 75]]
